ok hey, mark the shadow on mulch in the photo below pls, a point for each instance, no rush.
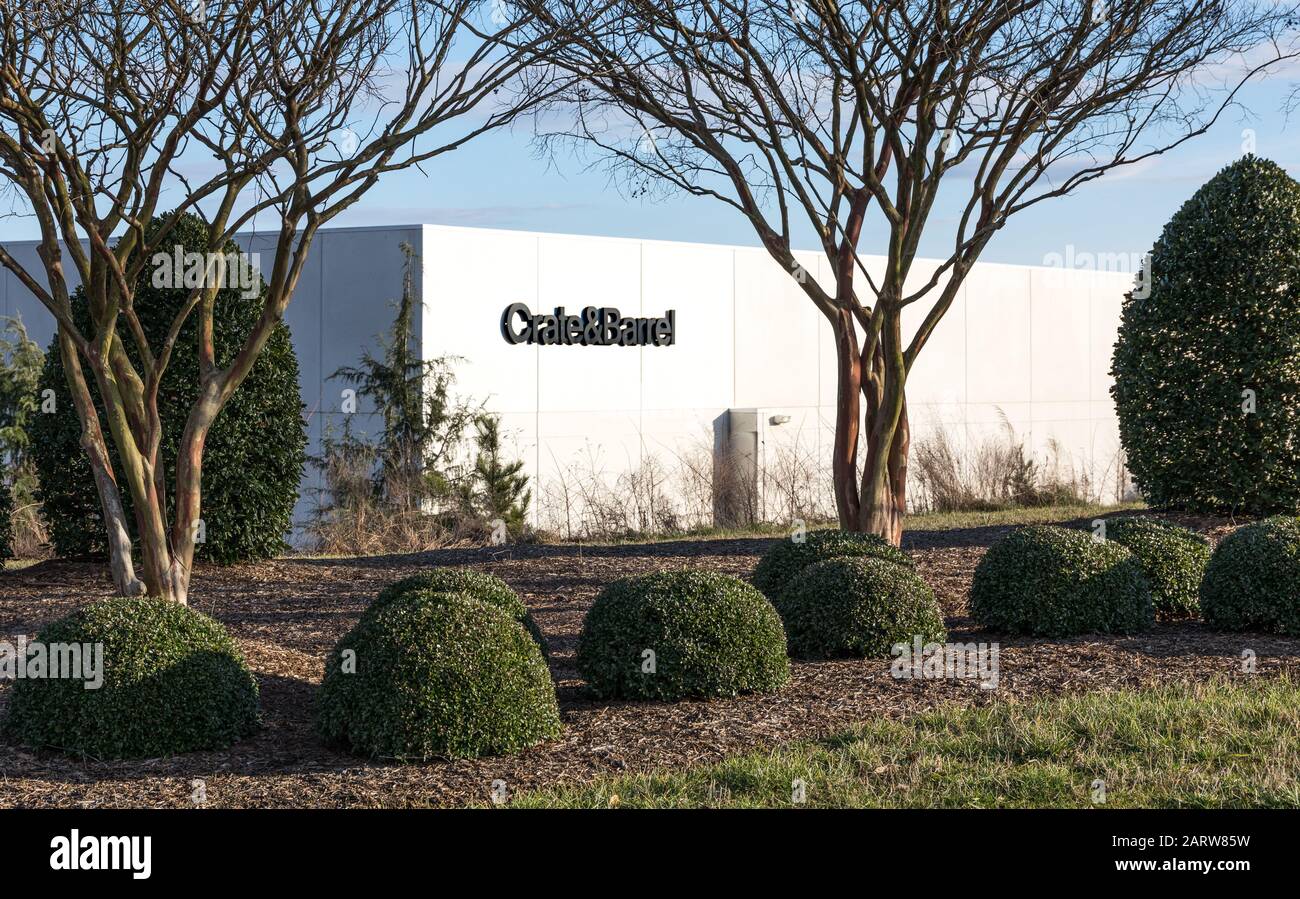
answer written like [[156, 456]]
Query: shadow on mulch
[[288, 613]]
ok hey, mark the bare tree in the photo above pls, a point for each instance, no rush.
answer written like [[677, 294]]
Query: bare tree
[[114, 110], [825, 114]]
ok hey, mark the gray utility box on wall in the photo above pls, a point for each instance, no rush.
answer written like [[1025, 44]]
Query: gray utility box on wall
[[735, 468]]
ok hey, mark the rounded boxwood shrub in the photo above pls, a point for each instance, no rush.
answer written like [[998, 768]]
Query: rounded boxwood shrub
[[480, 585], [173, 681], [1054, 582], [788, 557], [254, 453], [857, 607], [1253, 579], [1172, 557], [682, 634], [1222, 317], [437, 676]]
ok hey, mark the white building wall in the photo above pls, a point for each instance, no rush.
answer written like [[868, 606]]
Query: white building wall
[[1021, 346], [1032, 345]]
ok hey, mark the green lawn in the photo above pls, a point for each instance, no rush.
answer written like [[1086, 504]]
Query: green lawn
[[945, 521], [926, 521], [1226, 743]]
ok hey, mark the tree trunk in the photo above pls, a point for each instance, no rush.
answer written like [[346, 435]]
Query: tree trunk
[[189, 494], [119, 538], [117, 534], [873, 500], [155, 554], [898, 467], [883, 496], [848, 414], [884, 487], [189, 467], [147, 500]]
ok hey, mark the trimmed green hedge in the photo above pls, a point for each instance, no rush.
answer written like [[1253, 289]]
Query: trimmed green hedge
[[173, 681], [254, 453], [1053, 582], [1172, 557], [480, 585], [437, 677], [682, 634], [1253, 579], [783, 562], [1222, 317], [857, 607]]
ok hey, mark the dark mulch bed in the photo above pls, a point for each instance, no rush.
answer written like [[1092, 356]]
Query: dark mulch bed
[[287, 614]]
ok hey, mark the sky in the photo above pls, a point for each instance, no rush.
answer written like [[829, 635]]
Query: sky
[[499, 181]]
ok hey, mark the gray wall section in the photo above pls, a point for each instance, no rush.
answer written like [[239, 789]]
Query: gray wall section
[[20, 302], [342, 305]]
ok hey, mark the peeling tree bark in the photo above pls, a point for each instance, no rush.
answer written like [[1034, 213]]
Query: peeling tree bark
[[871, 415], [848, 417], [92, 441], [881, 504]]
